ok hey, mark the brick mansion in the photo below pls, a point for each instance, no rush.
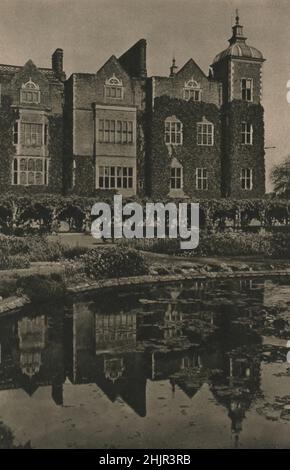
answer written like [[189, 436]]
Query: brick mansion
[[119, 130]]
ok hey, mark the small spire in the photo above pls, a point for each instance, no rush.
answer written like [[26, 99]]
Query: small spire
[[173, 67]]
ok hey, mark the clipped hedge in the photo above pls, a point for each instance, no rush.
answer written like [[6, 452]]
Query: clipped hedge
[[27, 214], [269, 245], [114, 263]]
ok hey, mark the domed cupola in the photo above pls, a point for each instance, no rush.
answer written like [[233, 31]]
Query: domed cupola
[[238, 47]]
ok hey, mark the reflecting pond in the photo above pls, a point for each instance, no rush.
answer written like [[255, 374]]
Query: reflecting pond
[[192, 365]]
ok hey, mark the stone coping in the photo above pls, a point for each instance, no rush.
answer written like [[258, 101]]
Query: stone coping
[[155, 279], [10, 304]]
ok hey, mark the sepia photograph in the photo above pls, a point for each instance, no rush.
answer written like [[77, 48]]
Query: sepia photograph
[[144, 227]]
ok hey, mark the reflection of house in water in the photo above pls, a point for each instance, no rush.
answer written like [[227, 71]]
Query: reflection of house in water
[[182, 368], [32, 354], [162, 318], [237, 387], [115, 330], [106, 353], [118, 343], [31, 334]]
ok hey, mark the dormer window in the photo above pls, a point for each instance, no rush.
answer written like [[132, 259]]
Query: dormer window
[[30, 93], [114, 88], [192, 90]]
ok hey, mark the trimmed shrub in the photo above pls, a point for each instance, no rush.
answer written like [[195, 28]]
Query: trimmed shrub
[[114, 263], [267, 244], [72, 252], [235, 244], [43, 288]]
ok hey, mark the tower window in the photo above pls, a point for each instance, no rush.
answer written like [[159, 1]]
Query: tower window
[[247, 89], [173, 131], [201, 177], [247, 179], [247, 133]]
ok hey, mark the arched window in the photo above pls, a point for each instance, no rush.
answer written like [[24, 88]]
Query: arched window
[[114, 88], [30, 93], [173, 131], [192, 90]]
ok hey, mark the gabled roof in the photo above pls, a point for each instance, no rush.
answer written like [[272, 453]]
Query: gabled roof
[[113, 59], [189, 63], [13, 69]]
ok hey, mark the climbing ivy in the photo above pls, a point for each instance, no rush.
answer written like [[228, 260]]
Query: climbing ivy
[[8, 115]]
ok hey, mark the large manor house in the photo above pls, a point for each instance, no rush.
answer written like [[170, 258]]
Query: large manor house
[[185, 135]]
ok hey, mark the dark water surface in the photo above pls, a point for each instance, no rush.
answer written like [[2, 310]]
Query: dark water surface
[[194, 365]]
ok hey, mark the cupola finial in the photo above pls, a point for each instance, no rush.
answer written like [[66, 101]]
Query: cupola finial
[[237, 17], [238, 35], [173, 67]]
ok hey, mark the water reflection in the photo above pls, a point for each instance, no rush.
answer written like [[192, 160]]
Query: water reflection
[[187, 335]]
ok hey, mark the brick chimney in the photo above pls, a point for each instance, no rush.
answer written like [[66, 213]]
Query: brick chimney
[[57, 62], [134, 60]]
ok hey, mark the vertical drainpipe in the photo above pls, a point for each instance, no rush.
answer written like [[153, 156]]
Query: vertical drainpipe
[[94, 144]]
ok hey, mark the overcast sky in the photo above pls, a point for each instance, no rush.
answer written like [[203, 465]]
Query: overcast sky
[[90, 31]]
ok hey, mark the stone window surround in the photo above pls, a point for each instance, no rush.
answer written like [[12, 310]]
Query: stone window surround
[[27, 89], [192, 87], [245, 89], [115, 131], [22, 130], [113, 88], [115, 177], [33, 172]]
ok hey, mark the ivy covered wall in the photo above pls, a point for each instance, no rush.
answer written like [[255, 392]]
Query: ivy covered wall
[[55, 149], [189, 154], [237, 155], [8, 116]]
